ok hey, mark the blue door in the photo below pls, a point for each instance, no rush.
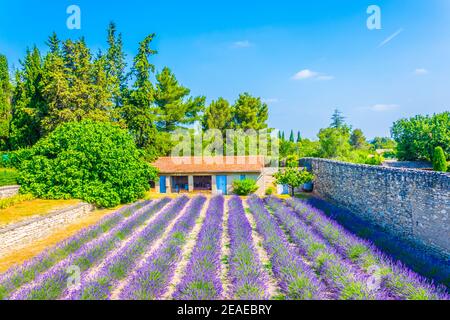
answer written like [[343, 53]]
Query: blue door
[[162, 184], [285, 189], [221, 182]]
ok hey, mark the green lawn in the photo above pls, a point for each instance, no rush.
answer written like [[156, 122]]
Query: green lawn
[[8, 177]]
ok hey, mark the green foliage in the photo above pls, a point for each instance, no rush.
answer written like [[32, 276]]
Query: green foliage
[[418, 137], [218, 115], [8, 177], [383, 143], [11, 201], [93, 161], [5, 101], [358, 140], [244, 187], [270, 191], [293, 177], [175, 109], [334, 143], [250, 113], [308, 148], [439, 160]]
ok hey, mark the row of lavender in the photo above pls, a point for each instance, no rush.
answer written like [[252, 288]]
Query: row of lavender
[[393, 275]]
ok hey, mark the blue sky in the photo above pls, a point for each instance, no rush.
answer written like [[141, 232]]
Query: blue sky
[[305, 58]]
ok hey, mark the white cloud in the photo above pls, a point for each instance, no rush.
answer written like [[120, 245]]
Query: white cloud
[[242, 44], [421, 71], [308, 74], [382, 107]]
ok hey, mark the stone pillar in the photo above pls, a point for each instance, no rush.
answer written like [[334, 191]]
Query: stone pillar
[[213, 184], [191, 183], [168, 184]]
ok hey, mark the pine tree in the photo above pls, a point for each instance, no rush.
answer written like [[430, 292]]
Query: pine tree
[[337, 120], [28, 107], [291, 136], [139, 111], [115, 65], [299, 137], [175, 108], [250, 113], [218, 115]]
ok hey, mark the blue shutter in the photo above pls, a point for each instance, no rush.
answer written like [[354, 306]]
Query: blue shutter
[[162, 184]]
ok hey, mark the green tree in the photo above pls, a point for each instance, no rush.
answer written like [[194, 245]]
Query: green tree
[[139, 110], [28, 104], [334, 143], [439, 160], [383, 143], [218, 115], [358, 140], [115, 65], [250, 113], [291, 136], [93, 161], [175, 109], [293, 177], [417, 137], [299, 137], [337, 120], [5, 102]]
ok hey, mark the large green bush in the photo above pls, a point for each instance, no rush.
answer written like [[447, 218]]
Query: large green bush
[[244, 187], [439, 160], [93, 161]]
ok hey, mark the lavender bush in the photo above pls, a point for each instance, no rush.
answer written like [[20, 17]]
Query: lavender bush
[[117, 265], [345, 281], [295, 277], [248, 281], [51, 284], [397, 278], [201, 280], [152, 279], [29, 270]]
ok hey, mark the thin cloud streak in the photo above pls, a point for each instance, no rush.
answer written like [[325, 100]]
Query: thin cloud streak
[[390, 38]]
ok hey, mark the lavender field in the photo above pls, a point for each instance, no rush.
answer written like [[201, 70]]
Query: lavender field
[[216, 248]]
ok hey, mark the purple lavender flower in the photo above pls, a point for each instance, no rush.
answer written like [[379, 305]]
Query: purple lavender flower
[[248, 281], [152, 279], [296, 279], [118, 265], [201, 280], [51, 284]]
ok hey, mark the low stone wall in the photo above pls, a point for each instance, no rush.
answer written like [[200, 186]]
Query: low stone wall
[[412, 204], [15, 236], [8, 191]]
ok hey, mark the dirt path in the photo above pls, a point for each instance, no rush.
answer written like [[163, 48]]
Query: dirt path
[[155, 246], [225, 246], [186, 253], [273, 288]]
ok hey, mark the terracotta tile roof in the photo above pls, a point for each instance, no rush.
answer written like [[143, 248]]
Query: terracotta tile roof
[[210, 164]]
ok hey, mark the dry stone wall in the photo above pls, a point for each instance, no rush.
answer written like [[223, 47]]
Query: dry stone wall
[[9, 191], [15, 236], [412, 204]]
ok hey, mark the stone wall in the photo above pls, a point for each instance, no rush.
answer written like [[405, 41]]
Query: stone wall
[[412, 204], [15, 236], [8, 191]]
